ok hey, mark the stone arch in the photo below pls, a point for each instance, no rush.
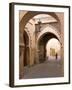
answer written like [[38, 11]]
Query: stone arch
[[49, 29], [45, 35], [57, 29], [42, 45], [30, 14], [55, 47]]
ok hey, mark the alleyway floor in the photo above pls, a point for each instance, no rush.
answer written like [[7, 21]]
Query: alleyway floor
[[43, 70]]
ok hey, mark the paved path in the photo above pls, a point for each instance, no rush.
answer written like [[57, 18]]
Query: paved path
[[44, 70]]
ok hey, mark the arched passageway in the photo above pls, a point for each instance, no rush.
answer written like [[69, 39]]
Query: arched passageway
[[30, 14], [40, 41], [53, 50], [42, 45]]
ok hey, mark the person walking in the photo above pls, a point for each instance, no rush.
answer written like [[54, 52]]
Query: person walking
[[56, 56]]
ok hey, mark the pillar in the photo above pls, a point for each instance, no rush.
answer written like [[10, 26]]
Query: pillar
[[21, 62]]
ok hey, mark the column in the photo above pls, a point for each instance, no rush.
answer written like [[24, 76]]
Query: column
[[21, 62]]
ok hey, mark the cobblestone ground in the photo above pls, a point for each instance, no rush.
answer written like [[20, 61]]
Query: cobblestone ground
[[44, 70]]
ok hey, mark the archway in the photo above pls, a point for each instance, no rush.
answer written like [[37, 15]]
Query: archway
[[42, 45], [53, 50], [26, 49], [42, 39], [30, 14], [45, 35]]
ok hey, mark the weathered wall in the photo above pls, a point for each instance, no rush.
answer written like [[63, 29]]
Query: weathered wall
[[30, 28]]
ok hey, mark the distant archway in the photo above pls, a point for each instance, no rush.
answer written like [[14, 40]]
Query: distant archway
[[49, 29], [53, 50], [42, 45], [45, 35]]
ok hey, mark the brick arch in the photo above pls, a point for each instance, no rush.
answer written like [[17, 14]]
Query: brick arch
[[30, 14]]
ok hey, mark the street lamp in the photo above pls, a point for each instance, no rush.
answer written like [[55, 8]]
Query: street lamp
[[39, 25]]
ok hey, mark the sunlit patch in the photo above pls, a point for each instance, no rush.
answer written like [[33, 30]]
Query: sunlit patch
[[53, 49]]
